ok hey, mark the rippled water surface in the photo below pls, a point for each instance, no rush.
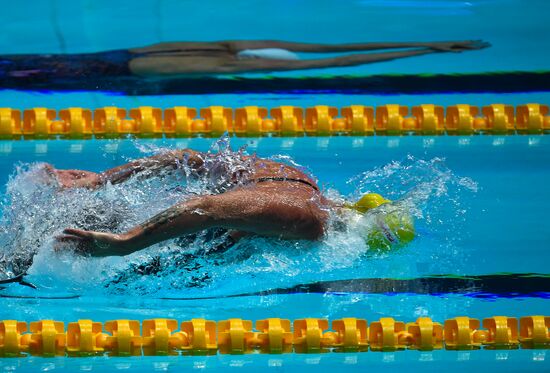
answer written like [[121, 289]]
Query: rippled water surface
[[35, 211], [479, 203], [459, 213]]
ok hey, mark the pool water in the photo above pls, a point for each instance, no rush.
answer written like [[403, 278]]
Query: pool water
[[480, 202], [517, 33], [483, 213], [519, 361]]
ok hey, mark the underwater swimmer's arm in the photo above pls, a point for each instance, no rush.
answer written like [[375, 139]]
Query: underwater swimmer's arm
[[240, 45], [340, 61], [235, 46]]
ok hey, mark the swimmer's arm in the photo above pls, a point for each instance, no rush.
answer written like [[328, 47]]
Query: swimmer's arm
[[239, 210], [184, 218], [152, 165], [147, 167]]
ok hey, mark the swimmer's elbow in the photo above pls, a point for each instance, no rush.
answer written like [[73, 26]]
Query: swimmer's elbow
[[309, 229], [318, 231]]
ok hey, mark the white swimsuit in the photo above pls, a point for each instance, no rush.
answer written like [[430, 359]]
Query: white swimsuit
[[268, 53]]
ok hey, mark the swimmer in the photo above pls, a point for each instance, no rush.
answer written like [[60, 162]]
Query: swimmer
[[265, 198], [183, 59]]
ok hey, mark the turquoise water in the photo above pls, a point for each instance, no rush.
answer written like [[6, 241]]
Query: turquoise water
[[517, 32], [520, 361], [485, 213], [482, 202]]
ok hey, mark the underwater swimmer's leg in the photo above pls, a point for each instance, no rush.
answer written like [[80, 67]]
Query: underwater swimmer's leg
[[264, 211]]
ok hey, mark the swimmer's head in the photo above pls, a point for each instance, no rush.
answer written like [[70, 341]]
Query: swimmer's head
[[383, 230]]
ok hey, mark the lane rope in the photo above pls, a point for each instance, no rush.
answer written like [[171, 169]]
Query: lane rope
[[254, 121], [273, 336]]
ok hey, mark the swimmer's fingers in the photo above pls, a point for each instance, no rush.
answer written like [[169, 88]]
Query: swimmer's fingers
[[64, 178], [65, 238], [470, 45], [73, 243], [80, 234], [50, 174], [480, 44], [460, 46], [79, 241], [95, 243], [50, 170], [77, 179]]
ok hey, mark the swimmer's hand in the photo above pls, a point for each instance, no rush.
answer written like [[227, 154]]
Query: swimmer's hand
[[75, 178], [95, 243], [458, 46]]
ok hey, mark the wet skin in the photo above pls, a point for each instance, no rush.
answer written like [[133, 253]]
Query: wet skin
[[283, 209]]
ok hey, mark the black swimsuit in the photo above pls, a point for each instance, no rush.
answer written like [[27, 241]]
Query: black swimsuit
[[62, 67], [264, 179], [67, 66]]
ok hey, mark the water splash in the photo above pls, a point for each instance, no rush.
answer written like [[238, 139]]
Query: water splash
[[34, 211]]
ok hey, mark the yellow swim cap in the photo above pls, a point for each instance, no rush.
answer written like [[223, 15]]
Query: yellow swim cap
[[388, 228], [368, 201]]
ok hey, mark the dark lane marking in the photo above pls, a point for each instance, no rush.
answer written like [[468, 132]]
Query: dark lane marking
[[485, 286], [60, 297], [491, 82], [525, 285]]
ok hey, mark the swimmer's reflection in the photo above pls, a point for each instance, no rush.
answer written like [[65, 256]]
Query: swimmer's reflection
[[181, 59]]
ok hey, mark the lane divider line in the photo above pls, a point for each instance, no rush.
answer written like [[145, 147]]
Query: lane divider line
[[254, 121], [272, 336]]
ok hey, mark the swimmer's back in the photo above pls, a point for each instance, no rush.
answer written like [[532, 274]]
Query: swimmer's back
[[265, 169]]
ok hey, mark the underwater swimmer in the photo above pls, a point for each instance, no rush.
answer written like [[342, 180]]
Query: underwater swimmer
[[180, 59], [267, 198]]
